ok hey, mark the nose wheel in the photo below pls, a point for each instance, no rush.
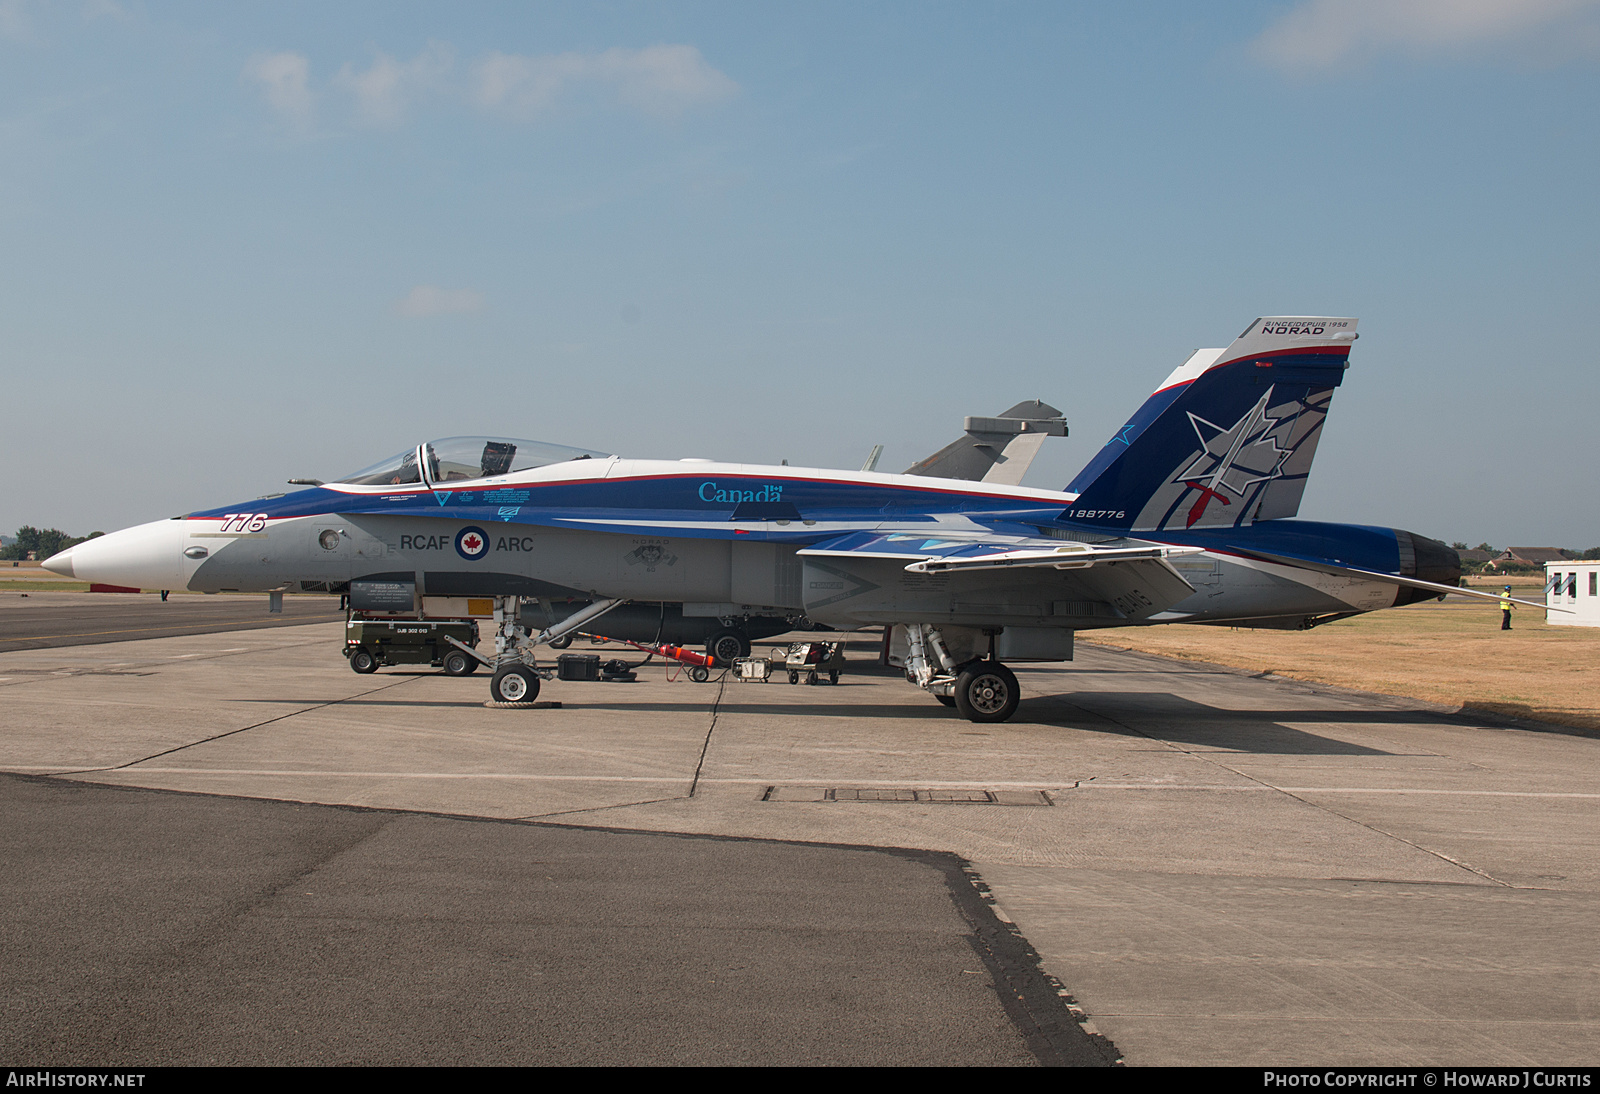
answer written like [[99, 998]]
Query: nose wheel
[[514, 684]]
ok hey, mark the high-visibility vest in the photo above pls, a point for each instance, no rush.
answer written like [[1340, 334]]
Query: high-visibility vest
[[1505, 602]]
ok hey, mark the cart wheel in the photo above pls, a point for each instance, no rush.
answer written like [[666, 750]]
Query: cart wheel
[[457, 663], [794, 677], [699, 674], [514, 684], [363, 662]]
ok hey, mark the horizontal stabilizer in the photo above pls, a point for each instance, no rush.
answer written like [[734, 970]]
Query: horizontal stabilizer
[[1396, 579]]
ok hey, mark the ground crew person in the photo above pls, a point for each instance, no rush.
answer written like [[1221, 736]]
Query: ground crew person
[[1505, 609]]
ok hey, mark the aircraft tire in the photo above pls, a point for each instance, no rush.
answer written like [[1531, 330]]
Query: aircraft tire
[[947, 700], [987, 692], [514, 684], [363, 662], [727, 646], [561, 643], [457, 663]]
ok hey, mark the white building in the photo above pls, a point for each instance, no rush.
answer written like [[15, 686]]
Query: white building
[[1574, 586]]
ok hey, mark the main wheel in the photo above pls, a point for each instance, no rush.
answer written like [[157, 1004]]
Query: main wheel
[[947, 700], [987, 692], [457, 663], [363, 662], [514, 684], [561, 643], [725, 646]]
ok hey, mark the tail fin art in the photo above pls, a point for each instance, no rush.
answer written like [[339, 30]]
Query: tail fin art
[[1227, 439]]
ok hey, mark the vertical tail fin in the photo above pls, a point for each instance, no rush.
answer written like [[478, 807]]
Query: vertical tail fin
[[1227, 439], [997, 449]]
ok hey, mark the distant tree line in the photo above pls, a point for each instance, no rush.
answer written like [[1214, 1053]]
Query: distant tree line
[[41, 543]]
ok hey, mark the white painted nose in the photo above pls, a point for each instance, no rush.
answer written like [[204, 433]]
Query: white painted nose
[[147, 556]]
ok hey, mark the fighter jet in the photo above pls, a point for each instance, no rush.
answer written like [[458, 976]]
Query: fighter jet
[[1183, 516], [998, 449]]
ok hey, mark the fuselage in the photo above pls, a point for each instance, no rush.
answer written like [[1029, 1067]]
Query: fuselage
[[726, 535]]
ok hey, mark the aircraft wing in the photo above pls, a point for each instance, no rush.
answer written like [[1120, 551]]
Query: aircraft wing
[[1395, 579], [1133, 582], [1077, 556], [941, 554]]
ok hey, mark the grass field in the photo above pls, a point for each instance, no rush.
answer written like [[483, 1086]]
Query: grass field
[[1452, 653]]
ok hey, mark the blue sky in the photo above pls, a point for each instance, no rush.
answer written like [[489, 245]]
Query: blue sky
[[248, 243]]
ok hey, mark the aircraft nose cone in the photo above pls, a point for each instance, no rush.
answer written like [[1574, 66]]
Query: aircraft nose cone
[[149, 556], [60, 563]]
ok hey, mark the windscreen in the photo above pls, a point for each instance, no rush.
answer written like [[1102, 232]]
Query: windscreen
[[394, 471], [457, 459]]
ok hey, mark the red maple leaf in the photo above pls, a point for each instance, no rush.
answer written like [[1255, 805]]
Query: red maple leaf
[[471, 543]]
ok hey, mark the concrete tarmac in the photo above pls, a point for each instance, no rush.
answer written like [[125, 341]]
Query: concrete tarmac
[[1219, 869], [45, 618]]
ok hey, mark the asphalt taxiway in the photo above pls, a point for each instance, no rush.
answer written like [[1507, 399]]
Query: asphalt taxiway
[[1218, 869]]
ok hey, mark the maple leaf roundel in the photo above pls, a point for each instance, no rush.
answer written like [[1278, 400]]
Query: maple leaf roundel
[[472, 543]]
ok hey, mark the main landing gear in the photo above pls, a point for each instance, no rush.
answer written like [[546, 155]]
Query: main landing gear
[[986, 692], [727, 646], [981, 689]]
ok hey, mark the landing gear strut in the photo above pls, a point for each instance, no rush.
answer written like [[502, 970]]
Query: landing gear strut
[[516, 669], [981, 689]]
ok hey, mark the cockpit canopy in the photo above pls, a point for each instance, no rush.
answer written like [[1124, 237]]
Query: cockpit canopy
[[458, 459]]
